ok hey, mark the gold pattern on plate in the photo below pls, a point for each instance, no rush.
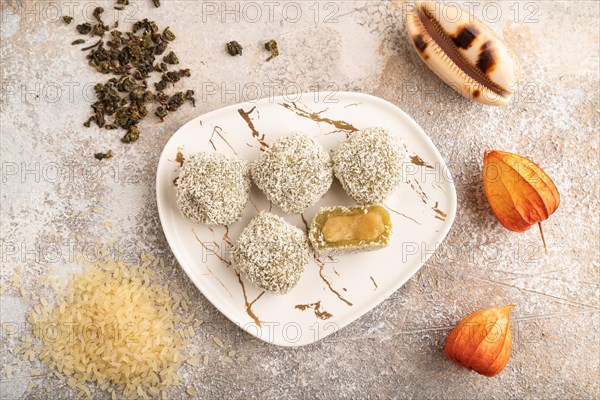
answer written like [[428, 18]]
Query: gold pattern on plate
[[402, 215], [321, 265], [419, 161], [254, 204], [211, 250], [226, 237], [220, 132], [179, 158], [316, 307], [211, 273], [416, 187], [248, 305], [255, 134], [374, 283], [439, 213], [305, 223], [333, 267], [413, 183], [316, 116]]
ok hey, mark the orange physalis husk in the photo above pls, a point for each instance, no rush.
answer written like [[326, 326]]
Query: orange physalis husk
[[519, 192], [482, 341]]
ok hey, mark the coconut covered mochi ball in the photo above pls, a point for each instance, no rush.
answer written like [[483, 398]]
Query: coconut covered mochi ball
[[369, 165], [294, 173], [271, 253], [213, 188]]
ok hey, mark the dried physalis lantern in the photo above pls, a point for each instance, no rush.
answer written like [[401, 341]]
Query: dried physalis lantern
[[482, 341], [463, 52], [520, 193]]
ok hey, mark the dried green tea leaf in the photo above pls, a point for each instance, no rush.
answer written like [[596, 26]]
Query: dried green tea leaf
[[175, 76], [161, 67], [78, 41], [101, 156], [132, 135], [99, 29], [67, 19], [84, 28], [161, 113], [234, 48], [161, 85], [171, 58], [168, 35], [175, 101], [162, 98], [97, 13], [160, 48], [271, 46], [98, 43], [189, 95], [123, 101]]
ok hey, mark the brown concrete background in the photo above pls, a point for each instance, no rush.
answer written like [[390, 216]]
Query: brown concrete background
[[396, 350]]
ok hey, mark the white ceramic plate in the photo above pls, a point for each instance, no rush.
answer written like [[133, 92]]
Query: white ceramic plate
[[333, 292]]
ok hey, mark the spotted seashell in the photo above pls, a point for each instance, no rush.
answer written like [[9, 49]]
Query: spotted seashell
[[463, 52]]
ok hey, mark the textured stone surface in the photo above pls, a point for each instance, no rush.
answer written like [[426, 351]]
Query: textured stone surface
[[396, 350]]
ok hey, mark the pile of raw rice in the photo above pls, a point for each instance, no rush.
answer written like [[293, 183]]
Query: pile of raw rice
[[114, 325]]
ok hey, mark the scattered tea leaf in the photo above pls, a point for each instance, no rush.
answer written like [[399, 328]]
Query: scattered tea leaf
[[132, 135], [175, 76], [162, 98], [98, 43], [67, 19], [189, 95], [84, 28], [160, 85], [101, 156], [161, 113], [175, 101], [161, 67], [97, 13], [78, 41], [271, 46], [171, 58], [234, 48], [156, 3], [168, 35], [99, 29]]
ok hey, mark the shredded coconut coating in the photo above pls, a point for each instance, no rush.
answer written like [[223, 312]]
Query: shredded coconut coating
[[369, 165], [271, 253], [213, 188], [294, 173]]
